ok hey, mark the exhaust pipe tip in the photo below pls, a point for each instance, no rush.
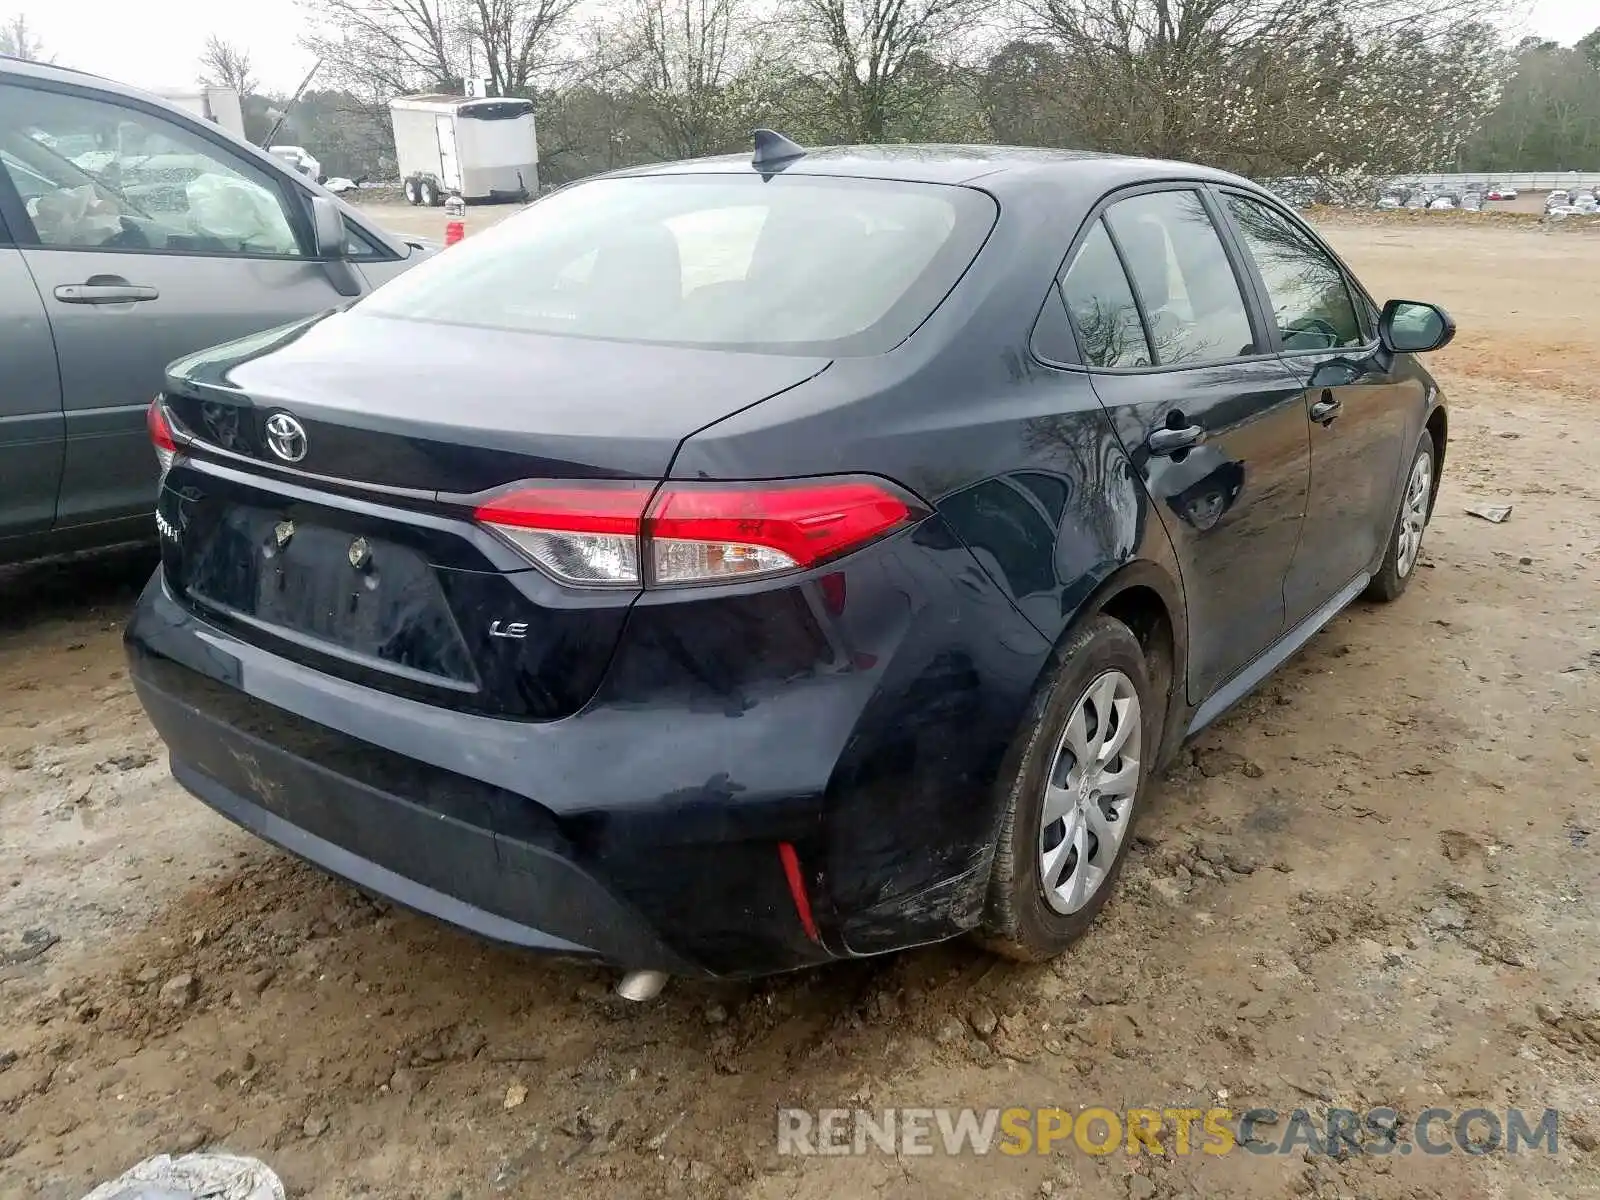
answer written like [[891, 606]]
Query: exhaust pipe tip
[[640, 986]]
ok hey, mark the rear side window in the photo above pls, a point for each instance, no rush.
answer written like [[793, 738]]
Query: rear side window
[[1191, 298], [1310, 301], [1101, 305], [801, 264]]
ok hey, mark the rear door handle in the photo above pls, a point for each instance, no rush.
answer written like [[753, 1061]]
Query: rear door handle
[[105, 289], [1326, 409], [1171, 441]]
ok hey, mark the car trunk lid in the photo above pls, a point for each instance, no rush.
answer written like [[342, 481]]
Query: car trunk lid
[[361, 557], [429, 407]]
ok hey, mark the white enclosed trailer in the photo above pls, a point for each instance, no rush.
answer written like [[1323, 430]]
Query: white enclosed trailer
[[485, 149]]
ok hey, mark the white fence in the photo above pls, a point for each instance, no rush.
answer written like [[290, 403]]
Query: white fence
[[1523, 181]]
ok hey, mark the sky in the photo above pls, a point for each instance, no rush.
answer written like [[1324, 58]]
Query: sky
[[156, 43]]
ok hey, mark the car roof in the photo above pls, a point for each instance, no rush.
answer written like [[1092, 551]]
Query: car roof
[[49, 71], [999, 167]]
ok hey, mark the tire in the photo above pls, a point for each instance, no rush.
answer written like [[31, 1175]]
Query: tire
[[413, 192], [1405, 538], [1020, 922], [430, 194]]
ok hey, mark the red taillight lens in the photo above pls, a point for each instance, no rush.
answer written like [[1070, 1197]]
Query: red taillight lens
[[602, 534], [699, 533], [155, 419]]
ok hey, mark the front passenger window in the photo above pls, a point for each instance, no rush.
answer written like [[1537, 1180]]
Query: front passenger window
[[1310, 301], [94, 174]]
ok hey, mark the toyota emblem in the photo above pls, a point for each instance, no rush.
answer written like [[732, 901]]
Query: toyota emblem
[[286, 437]]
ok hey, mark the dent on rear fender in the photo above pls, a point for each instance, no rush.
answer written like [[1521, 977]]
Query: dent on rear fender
[[944, 909], [1050, 533], [911, 808]]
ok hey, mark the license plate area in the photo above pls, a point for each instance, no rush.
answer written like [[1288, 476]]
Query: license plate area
[[357, 595]]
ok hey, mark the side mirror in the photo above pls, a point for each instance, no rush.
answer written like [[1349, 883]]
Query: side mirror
[[1414, 327], [327, 224]]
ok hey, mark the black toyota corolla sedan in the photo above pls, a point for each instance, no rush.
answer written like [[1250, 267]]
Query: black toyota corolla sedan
[[740, 564]]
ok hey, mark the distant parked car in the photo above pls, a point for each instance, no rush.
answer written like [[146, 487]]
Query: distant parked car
[[1472, 202], [1557, 199], [1442, 202], [1501, 192], [178, 236]]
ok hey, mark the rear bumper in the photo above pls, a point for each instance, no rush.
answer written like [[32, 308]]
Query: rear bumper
[[422, 858], [860, 724], [285, 752]]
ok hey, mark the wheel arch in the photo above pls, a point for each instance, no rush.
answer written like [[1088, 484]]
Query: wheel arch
[[1146, 599], [1438, 427]]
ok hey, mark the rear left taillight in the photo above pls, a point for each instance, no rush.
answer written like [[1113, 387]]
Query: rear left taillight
[[155, 419], [609, 535]]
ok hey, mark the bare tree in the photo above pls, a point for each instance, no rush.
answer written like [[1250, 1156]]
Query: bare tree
[[17, 40], [222, 64], [693, 69], [518, 39], [380, 49], [1277, 86], [876, 59]]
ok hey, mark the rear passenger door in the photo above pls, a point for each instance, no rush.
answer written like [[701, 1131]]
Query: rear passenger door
[[1363, 408], [1203, 407], [30, 403]]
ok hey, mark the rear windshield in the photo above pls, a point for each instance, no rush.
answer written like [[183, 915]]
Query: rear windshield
[[795, 264]]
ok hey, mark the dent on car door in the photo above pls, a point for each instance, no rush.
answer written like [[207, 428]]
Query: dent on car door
[[1205, 412], [156, 243], [30, 404], [1363, 406]]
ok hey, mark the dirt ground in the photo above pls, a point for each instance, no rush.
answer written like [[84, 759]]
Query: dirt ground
[[1376, 883]]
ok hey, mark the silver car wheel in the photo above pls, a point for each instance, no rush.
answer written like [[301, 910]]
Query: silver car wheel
[[1089, 792], [1413, 515]]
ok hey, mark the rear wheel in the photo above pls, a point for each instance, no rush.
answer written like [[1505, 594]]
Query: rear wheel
[[413, 192], [1405, 539], [430, 194], [1070, 806]]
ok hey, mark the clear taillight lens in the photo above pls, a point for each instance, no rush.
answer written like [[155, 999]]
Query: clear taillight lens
[[584, 534], [605, 534], [166, 446], [673, 561]]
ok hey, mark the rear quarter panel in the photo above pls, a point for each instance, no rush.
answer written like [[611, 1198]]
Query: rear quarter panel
[[1035, 494]]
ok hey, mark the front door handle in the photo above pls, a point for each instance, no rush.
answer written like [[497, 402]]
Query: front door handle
[[105, 289], [1326, 409], [1170, 441]]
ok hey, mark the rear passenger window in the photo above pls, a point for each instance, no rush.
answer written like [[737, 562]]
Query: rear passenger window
[[1310, 301], [1191, 298], [1100, 302]]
